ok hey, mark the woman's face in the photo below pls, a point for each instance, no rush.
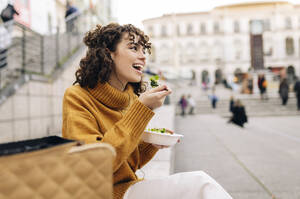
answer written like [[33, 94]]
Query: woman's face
[[129, 59]]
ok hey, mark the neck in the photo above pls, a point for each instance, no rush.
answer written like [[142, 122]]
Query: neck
[[115, 82]]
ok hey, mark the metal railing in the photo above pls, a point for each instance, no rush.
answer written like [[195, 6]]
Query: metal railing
[[32, 53]]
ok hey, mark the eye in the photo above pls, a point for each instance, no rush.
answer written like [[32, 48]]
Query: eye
[[133, 48]]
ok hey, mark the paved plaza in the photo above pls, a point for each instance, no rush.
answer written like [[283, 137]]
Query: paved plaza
[[260, 161]]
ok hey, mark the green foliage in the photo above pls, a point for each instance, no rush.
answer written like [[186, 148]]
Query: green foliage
[[153, 81], [158, 130]]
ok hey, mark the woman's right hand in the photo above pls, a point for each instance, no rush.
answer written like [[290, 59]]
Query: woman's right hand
[[155, 97]]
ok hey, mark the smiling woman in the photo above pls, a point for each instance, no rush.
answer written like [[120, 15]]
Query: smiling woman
[[109, 46], [108, 103]]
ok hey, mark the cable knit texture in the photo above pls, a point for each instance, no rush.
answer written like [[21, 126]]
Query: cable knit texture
[[105, 114]]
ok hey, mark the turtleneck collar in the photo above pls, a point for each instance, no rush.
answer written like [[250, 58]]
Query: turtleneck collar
[[111, 96]]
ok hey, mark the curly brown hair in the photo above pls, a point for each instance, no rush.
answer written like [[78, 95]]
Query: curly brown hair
[[97, 65]]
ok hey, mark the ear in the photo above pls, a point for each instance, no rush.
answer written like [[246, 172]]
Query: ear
[[112, 54]]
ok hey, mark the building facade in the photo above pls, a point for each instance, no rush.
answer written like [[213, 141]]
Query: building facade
[[215, 45], [45, 16]]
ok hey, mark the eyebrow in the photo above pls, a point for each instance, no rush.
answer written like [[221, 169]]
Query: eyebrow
[[136, 44], [132, 43]]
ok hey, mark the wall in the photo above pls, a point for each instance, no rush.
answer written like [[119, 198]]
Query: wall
[[36, 108], [39, 16], [227, 38]]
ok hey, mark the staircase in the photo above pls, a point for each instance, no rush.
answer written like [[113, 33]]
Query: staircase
[[252, 102], [32, 56], [254, 107]]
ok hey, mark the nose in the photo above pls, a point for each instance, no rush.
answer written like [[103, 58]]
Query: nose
[[142, 55]]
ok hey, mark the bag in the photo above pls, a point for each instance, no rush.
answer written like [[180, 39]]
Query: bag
[[264, 84], [53, 167], [7, 13]]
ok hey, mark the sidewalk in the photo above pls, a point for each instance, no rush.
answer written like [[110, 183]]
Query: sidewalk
[[254, 162]]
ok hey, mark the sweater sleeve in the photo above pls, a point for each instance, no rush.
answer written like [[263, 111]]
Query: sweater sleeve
[[124, 136], [147, 152], [78, 122]]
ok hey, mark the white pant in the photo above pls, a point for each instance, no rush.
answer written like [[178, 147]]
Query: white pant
[[188, 185]]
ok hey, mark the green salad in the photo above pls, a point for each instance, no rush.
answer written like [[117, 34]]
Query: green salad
[[154, 81], [159, 130]]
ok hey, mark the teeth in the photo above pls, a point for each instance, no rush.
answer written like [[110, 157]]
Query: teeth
[[140, 67]]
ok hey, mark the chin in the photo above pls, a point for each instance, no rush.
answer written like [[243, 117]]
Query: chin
[[136, 80]]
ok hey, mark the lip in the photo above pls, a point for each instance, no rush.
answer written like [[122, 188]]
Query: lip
[[138, 71], [142, 64], [141, 70]]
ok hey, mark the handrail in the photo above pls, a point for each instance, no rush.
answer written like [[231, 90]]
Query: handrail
[[33, 53], [26, 28]]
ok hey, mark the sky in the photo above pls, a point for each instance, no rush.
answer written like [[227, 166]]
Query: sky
[[134, 11]]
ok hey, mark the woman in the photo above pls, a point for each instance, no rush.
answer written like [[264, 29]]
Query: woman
[[262, 85], [284, 91], [239, 114], [108, 103], [183, 104]]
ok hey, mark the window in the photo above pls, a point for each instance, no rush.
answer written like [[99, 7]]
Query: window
[[178, 30], [203, 52], [217, 51], [164, 53], [267, 25], [191, 51], [238, 49], [289, 46], [236, 27], [288, 23], [202, 28], [216, 27], [153, 53], [181, 54], [189, 29], [150, 31], [163, 31], [268, 46]]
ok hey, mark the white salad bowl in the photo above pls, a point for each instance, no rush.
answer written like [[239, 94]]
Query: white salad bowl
[[158, 138]]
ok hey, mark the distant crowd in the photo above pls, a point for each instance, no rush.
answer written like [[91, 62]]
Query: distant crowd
[[236, 107]]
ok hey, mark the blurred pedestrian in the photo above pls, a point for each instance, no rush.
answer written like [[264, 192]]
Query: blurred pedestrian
[[262, 85], [204, 86], [297, 91], [231, 104], [284, 91], [250, 84], [183, 104], [239, 116], [70, 16], [191, 104], [213, 98]]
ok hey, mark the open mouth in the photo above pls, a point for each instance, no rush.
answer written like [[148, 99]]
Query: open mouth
[[138, 67]]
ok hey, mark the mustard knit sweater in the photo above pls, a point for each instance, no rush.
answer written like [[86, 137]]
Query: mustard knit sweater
[[108, 115]]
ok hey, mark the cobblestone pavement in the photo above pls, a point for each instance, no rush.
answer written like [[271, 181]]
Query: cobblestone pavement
[[260, 161]]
